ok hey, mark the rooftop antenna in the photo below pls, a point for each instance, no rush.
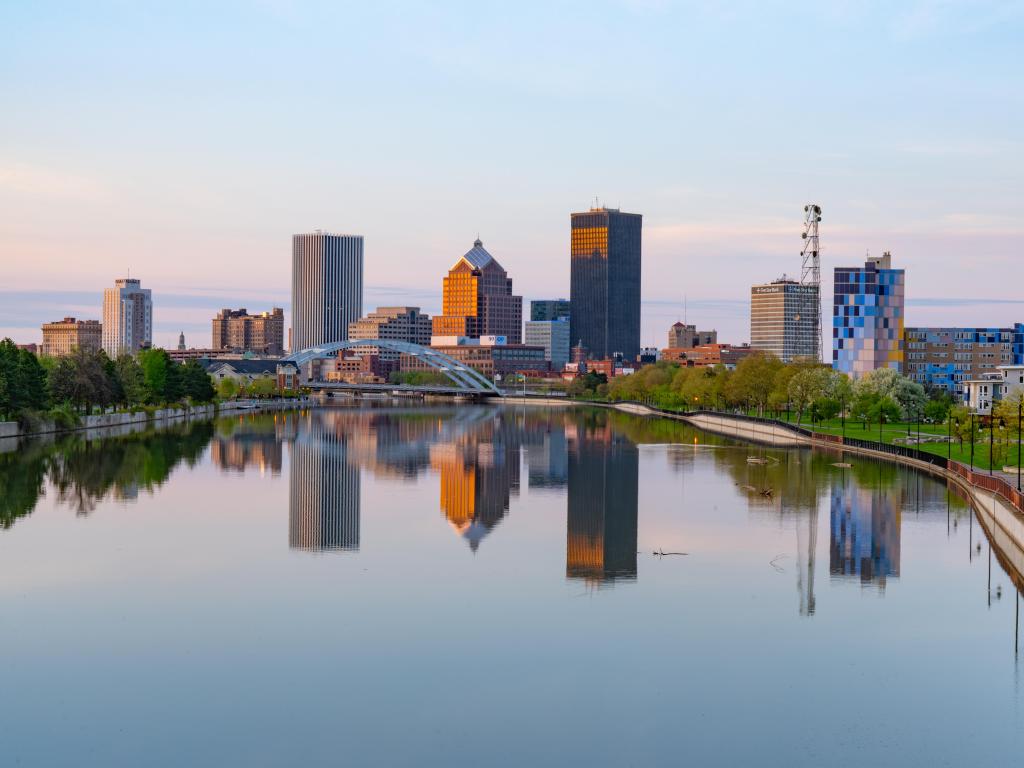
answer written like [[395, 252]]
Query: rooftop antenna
[[809, 321]]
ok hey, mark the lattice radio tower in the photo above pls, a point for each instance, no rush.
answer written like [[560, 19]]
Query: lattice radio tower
[[809, 326]]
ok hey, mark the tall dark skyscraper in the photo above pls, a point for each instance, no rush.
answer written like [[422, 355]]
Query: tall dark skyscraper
[[605, 282]]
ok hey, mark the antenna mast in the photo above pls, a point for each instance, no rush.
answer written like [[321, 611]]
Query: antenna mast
[[809, 320]]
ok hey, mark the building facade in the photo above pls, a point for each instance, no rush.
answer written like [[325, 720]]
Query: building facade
[[604, 290], [945, 358], [327, 287], [683, 336], [553, 335], [477, 299], [868, 317], [235, 330], [549, 309], [127, 317], [64, 336], [491, 361], [780, 322], [395, 323]]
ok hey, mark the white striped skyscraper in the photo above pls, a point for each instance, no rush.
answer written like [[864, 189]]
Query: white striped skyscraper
[[127, 317], [327, 287]]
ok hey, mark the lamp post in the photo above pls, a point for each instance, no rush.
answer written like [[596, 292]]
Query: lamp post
[[881, 418], [972, 441], [949, 434], [991, 439], [842, 412], [1020, 413]]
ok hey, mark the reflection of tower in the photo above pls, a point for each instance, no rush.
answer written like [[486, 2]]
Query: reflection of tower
[[547, 458], [478, 474], [323, 504], [807, 543], [865, 539], [602, 520]]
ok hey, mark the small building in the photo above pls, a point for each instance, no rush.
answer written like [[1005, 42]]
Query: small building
[[483, 355], [683, 336], [553, 335], [64, 336], [356, 369], [728, 355], [243, 371], [981, 394]]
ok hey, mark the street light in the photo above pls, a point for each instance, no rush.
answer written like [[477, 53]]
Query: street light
[[1020, 412], [972, 441], [949, 433], [842, 412]]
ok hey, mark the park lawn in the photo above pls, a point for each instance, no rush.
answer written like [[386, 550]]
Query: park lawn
[[1008, 457]]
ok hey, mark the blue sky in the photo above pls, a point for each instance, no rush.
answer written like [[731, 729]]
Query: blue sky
[[187, 142]]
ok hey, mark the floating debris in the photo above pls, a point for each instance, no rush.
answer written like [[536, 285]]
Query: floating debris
[[756, 460], [842, 464], [659, 553]]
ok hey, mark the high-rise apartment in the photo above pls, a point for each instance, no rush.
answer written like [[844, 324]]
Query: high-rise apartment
[[327, 287], [127, 317], [549, 309], [604, 292], [64, 336], [868, 317], [553, 335], [478, 300], [235, 330], [945, 358], [780, 322]]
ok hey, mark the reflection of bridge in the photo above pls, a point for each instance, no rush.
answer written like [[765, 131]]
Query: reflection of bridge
[[464, 378]]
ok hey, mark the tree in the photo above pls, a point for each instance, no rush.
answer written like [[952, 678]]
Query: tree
[[81, 379], [161, 375], [264, 386], [22, 380], [196, 382], [227, 388], [807, 386], [130, 379], [888, 382], [754, 380]]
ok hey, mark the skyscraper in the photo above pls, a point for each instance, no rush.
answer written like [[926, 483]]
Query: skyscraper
[[327, 287], [238, 331], [553, 335], [605, 282], [780, 322], [127, 317], [478, 300], [867, 317], [549, 309]]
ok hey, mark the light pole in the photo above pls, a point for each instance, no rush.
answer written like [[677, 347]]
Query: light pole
[[1020, 413], [881, 417], [842, 412], [949, 434], [972, 441]]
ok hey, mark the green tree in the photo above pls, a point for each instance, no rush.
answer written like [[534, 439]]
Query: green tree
[[130, 380], [81, 379], [808, 385], [227, 388], [22, 380], [162, 376], [196, 382], [888, 382], [753, 380]]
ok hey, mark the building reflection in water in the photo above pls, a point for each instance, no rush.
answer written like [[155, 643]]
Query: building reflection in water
[[254, 443], [865, 529], [478, 466], [547, 456], [601, 536], [323, 499]]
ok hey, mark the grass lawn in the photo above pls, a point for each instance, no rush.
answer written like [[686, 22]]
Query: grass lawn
[[1007, 456]]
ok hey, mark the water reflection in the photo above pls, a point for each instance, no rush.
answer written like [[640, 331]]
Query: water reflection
[[323, 497], [601, 525], [865, 530]]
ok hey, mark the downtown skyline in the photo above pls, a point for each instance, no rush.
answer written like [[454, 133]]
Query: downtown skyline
[[184, 169]]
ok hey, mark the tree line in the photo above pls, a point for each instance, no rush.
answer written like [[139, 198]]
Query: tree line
[[88, 379]]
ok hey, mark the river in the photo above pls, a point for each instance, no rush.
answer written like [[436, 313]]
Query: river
[[489, 586]]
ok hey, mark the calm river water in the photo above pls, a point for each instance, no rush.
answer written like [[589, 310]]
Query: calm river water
[[479, 586]]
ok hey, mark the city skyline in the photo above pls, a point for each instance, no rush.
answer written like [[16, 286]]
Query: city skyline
[[915, 151]]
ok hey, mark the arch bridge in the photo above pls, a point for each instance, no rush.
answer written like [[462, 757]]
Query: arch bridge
[[461, 375]]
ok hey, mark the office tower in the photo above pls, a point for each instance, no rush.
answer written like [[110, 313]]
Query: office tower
[[605, 282], [323, 490], [63, 336], [683, 336], [601, 526], [327, 287], [549, 309], [553, 335], [867, 317], [781, 321], [181, 341], [944, 358], [127, 317], [395, 323], [235, 330], [478, 300]]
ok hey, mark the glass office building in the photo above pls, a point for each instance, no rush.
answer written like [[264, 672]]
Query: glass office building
[[605, 282], [868, 317], [327, 287]]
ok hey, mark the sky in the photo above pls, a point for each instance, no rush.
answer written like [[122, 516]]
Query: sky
[[187, 141]]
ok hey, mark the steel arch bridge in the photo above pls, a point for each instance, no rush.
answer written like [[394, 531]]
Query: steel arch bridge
[[460, 374]]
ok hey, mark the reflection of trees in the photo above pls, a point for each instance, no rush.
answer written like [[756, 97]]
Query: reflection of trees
[[22, 474], [83, 472]]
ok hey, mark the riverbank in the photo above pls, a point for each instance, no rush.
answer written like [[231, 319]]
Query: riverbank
[[110, 424]]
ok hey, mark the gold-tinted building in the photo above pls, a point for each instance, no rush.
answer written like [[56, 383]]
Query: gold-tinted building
[[64, 336], [478, 300], [238, 331]]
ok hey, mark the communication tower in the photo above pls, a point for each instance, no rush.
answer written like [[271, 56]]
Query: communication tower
[[809, 320]]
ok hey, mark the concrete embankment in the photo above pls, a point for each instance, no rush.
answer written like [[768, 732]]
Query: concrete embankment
[[114, 424]]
